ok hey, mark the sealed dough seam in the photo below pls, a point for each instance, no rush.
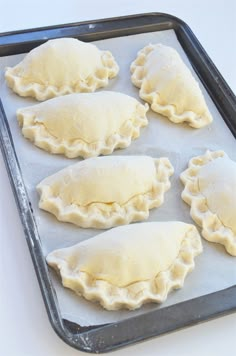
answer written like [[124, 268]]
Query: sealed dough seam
[[136, 294], [39, 135], [213, 229], [43, 92], [195, 120], [101, 215]]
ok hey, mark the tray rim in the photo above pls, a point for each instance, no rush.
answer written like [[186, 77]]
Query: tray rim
[[92, 339], [95, 21]]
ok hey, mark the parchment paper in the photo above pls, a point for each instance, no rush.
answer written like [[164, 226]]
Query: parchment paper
[[215, 269]]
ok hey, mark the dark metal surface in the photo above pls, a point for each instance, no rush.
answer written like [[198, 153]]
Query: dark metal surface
[[103, 338]]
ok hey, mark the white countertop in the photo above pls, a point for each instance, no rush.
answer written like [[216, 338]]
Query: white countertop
[[24, 325]]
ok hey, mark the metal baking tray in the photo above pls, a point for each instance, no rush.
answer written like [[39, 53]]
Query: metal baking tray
[[107, 337]]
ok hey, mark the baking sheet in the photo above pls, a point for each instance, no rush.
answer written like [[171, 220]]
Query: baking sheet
[[215, 270]]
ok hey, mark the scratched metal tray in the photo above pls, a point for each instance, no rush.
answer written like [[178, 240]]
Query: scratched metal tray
[[107, 337]]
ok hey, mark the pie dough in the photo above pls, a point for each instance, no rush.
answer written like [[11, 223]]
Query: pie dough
[[103, 192], [210, 190], [128, 266], [61, 66], [85, 124], [168, 85]]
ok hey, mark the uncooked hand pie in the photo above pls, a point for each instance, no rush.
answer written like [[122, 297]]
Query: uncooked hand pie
[[103, 192], [168, 85], [61, 66], [210, 190], [86, 125], [128, 266]]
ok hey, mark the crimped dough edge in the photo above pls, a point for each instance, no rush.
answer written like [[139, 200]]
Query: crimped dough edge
[[41, 92], [152, 98], [136, 294], [213, 229], [104, 216], [38, 134]]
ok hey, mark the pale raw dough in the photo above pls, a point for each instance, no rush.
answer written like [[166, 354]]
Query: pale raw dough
[[128, 266], [210, 190], [103, 192], [61, 66], [85, 124], [168, 85]]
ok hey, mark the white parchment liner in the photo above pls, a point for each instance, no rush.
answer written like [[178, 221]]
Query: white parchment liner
[[215, 269]]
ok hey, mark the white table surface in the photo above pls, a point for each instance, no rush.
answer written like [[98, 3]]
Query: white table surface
[[24, 325]]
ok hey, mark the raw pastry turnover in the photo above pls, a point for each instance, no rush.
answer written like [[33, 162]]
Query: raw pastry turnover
[[86, 125], [130, 265], [210, 190], [103, 192], [168, 85], [61, 66]]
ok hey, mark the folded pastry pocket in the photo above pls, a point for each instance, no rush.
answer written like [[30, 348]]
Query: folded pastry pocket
[[169, 86], [130, 265], [210, 190], [85, 124], [61, 66], [103, 192]]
